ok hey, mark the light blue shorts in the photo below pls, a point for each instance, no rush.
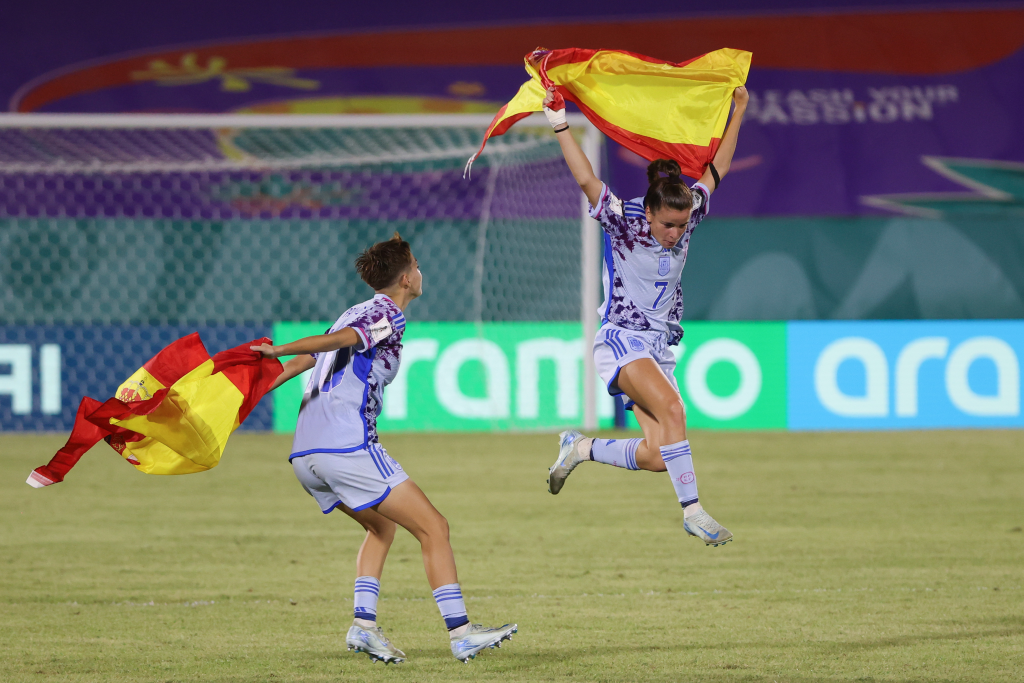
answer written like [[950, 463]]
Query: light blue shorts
[[615, 347], [359, 479]]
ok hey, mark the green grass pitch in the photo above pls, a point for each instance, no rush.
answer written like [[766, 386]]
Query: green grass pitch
[[858, 557]]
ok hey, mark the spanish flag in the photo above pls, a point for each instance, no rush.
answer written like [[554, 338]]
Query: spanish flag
[[658, 109], [174, 415]]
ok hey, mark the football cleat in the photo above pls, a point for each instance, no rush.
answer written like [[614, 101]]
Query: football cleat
[[703, 526], [477, 638], [372, 642], [568, 458]]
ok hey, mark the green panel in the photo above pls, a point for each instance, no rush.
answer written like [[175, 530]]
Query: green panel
[[288, 397], [717, 370], [526, 376]]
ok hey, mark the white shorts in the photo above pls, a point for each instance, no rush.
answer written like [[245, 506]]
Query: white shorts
[[359, 479], [615, 347]]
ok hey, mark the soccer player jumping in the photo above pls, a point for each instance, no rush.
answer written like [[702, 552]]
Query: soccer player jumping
[[338, 460], [645, 242]]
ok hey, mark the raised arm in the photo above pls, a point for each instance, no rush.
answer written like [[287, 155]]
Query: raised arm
[[578, 163], [723, 158]]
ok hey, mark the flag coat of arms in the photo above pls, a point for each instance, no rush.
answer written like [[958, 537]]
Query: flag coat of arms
[[657, 109], [174, 414]]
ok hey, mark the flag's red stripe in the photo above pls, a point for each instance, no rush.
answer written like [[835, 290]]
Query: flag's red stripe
[[575, 55], [177, 359], [250, 372], [498, 127], [84, 435]]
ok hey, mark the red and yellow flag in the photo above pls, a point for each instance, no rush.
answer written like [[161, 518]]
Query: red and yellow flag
[[658, 109], [174, 415]]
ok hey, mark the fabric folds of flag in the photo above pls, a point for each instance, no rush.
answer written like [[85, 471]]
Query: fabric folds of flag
[[657, 109], [174, 415]]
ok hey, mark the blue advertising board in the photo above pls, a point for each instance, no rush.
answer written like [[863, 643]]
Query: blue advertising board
[[904, 375], [45, 370]]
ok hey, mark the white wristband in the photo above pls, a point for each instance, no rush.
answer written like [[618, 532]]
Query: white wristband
[[555, 118]]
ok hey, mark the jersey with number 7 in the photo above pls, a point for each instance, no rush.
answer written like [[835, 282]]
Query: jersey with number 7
[[641, 278]]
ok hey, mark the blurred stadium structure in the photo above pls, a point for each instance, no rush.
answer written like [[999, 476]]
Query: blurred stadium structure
[[879, 176]]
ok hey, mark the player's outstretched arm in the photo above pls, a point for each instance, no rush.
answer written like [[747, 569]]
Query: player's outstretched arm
[[293, 368], [319, 343], [723, 158], [578, 163]]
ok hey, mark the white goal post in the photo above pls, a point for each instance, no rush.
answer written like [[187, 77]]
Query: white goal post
[[592, 142]]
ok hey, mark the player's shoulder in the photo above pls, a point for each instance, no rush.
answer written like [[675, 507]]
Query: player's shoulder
[[385, 317], [634, 208]]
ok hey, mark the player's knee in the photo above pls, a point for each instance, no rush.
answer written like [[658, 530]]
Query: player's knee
[[442, 527], [675, 413], [436, 528]]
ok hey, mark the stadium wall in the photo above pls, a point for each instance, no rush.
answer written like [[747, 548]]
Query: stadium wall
[[800, 375]]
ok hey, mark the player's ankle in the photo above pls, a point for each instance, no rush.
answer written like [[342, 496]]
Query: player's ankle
[[585, 450], [692, 509], [364, 623], [458, 631]]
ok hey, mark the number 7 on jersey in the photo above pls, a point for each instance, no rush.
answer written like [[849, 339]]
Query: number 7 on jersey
[[662, 285]]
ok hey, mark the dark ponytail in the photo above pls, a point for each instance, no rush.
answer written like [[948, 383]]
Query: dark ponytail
[[667, 191]]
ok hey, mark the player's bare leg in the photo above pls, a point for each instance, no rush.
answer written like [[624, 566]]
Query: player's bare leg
[[380, 533], [365, 635], [633, 454], [409, 507], [665, 446]]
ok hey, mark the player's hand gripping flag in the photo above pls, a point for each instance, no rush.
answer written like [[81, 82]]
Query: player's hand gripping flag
[[657, 109], [174, 415]]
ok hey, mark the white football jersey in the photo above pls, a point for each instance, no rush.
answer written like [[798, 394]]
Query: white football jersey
[[642, 278], [345, 392]]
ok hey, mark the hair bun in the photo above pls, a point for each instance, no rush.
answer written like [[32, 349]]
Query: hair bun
[[669, 167]]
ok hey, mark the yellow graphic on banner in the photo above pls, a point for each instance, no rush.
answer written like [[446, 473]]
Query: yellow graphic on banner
[[190, 72]]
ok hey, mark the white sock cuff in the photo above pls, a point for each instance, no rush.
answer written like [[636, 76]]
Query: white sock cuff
[[675, 450]]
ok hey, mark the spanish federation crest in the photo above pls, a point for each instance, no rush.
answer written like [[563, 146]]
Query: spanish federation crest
[[664, 265], [635, 344]]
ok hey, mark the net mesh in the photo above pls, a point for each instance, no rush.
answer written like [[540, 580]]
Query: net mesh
[[169, 226]]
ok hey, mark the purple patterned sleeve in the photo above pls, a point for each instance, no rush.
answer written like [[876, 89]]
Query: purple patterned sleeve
[[373, 326], [609, 213]]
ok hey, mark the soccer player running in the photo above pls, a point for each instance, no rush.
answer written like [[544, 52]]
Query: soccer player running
[[339, 461], [646, 241]]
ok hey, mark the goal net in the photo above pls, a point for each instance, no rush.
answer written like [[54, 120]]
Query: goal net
[[156, 219]]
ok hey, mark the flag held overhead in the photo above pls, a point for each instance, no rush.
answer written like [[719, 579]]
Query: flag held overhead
[[174, 415], [657, 109]]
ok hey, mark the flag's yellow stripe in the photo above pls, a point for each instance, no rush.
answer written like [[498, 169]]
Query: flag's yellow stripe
[[189, 430], [680, 105], [530, 98]]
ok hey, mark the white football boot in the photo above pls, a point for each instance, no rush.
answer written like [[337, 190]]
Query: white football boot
[[569, 457], [372, 642], [477, 638], [703, 526]]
